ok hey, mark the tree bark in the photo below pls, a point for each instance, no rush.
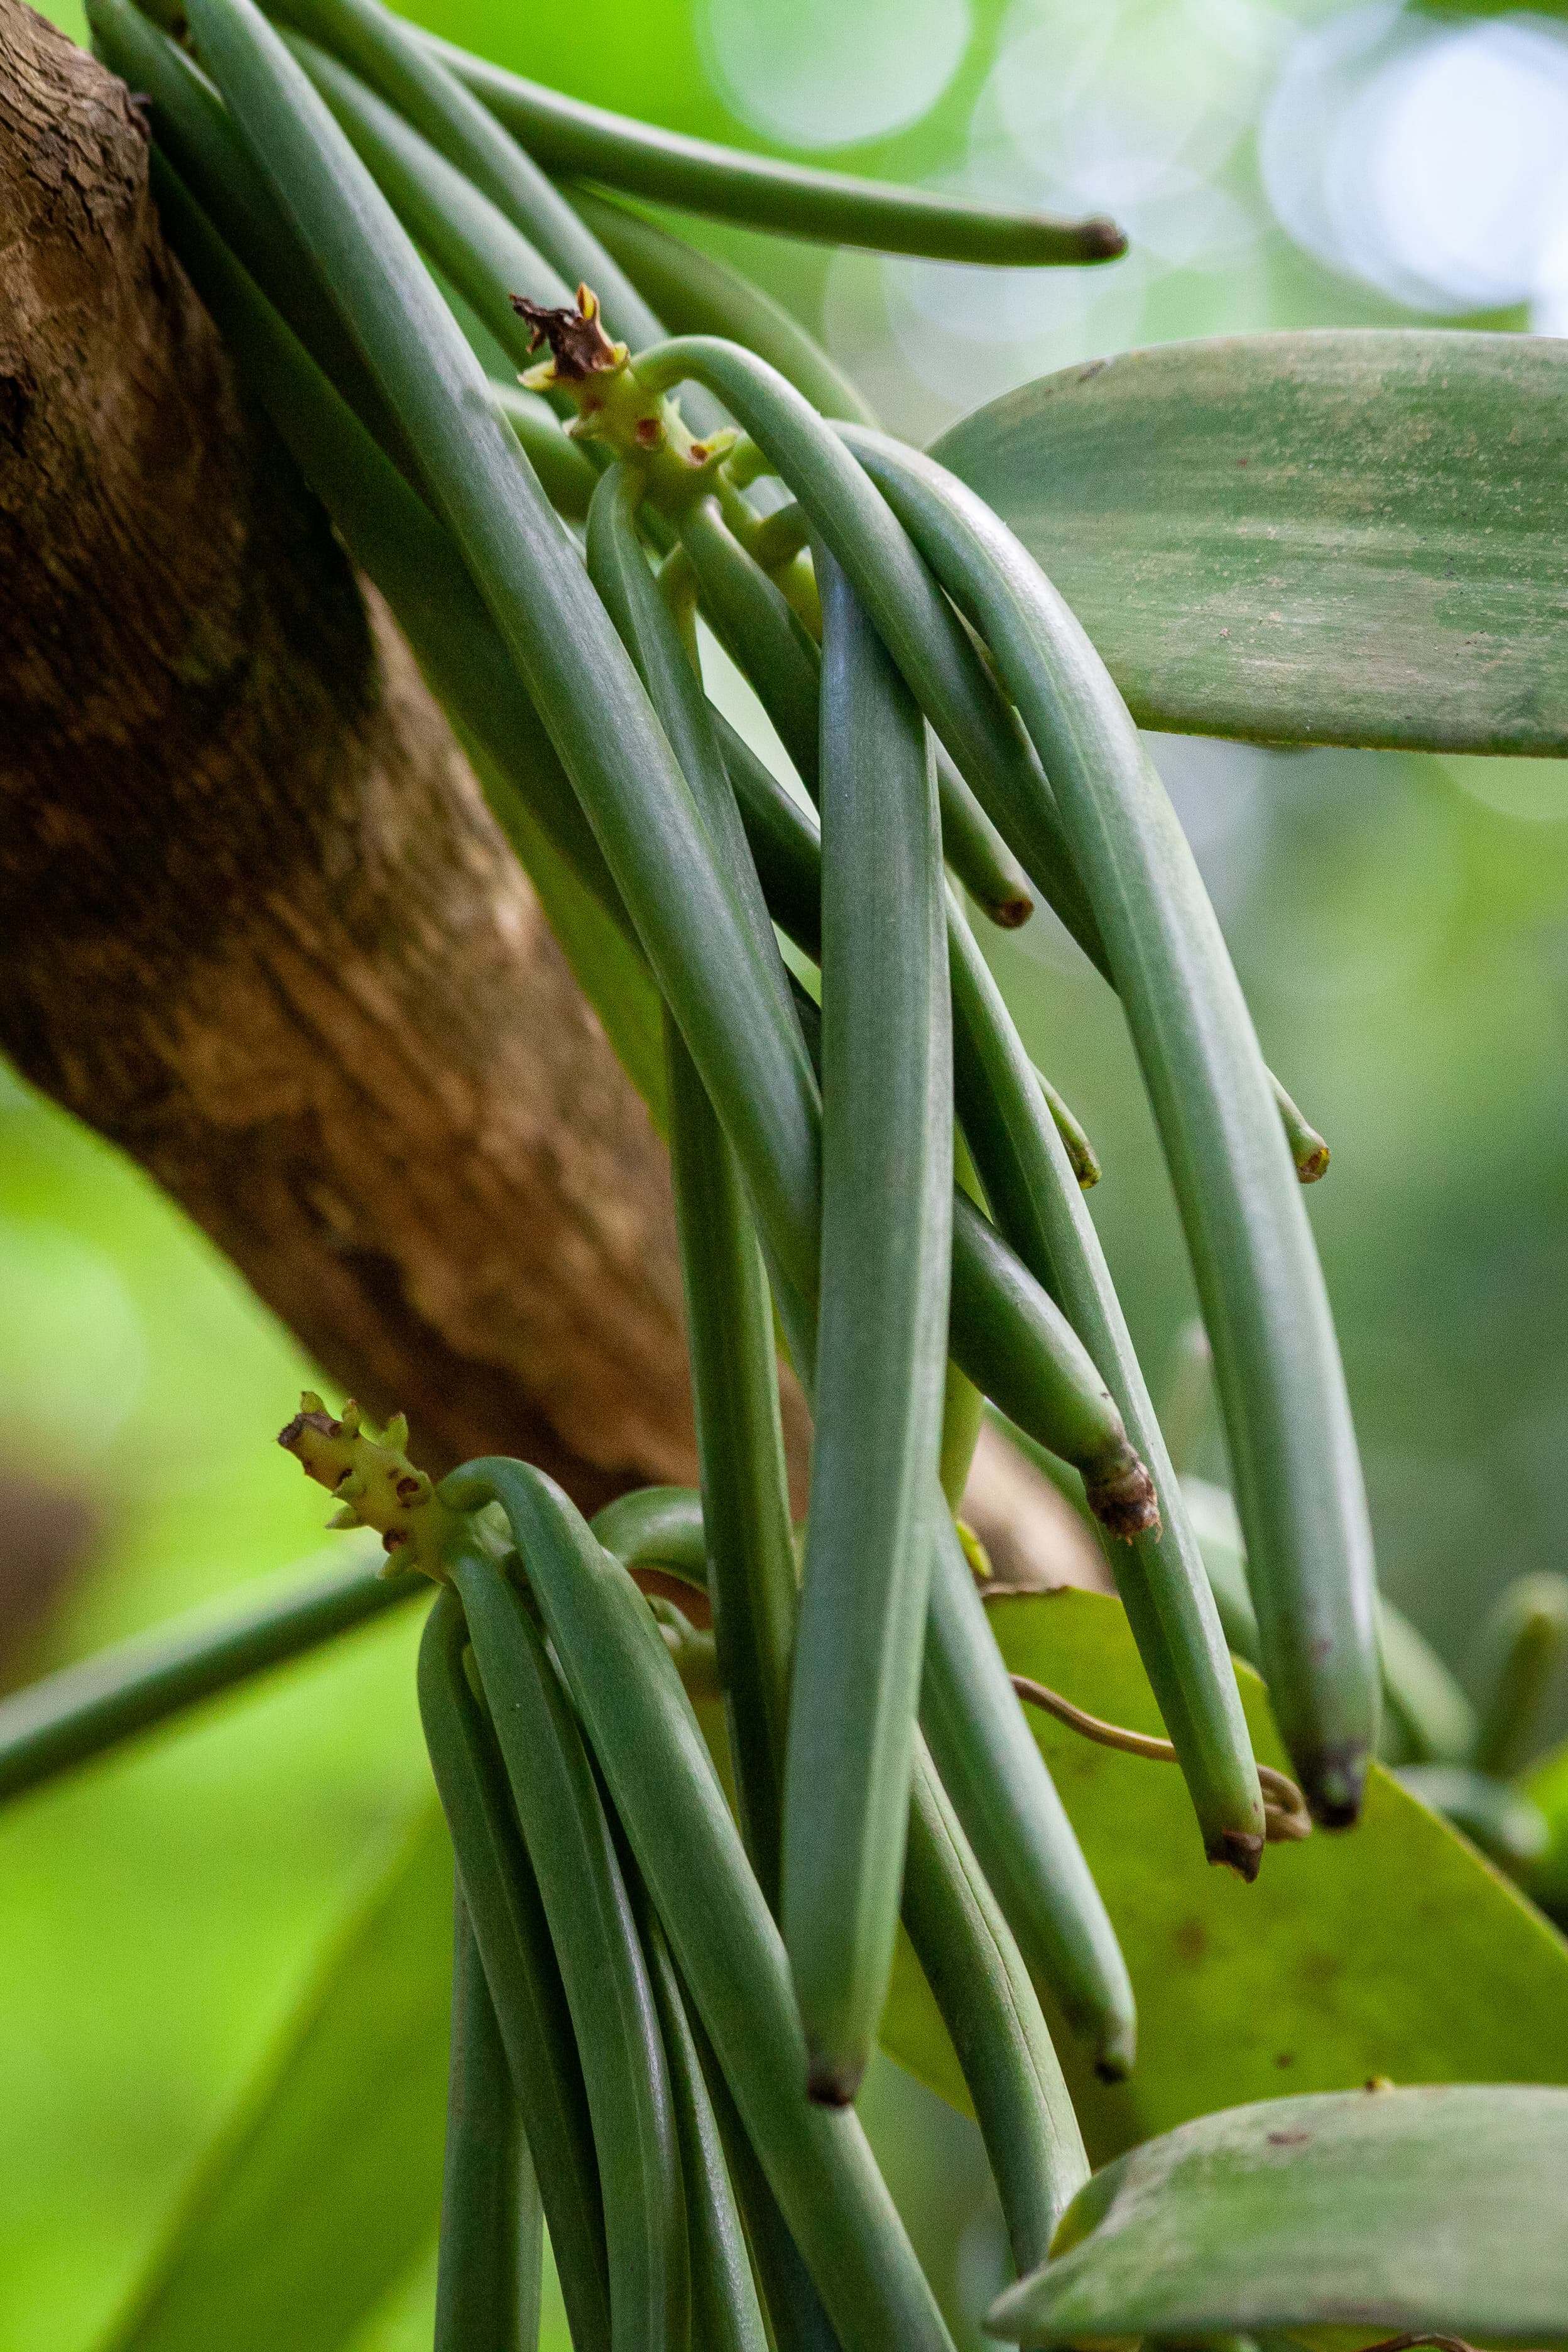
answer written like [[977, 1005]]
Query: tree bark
[[257, 924]]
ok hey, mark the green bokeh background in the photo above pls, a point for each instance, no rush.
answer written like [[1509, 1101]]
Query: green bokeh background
[[1399, 926]]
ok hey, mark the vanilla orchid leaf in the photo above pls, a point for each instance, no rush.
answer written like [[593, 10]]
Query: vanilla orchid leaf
[[1337, 537], [1392, 1949], [1379, 2208], [324, 2189]]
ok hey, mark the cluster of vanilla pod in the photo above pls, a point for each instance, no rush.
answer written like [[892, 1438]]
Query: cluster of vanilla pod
[[667, 1988]]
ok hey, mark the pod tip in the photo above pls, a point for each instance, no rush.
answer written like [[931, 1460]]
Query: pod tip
[[1334, 1782], [1011, 913], [832, 2081], [1124, 1500], [1113, 2059], [1102, 240], [1313, 1158], [1238, 1850]]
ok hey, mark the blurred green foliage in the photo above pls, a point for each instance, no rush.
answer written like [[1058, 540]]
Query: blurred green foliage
[[1399, 926]]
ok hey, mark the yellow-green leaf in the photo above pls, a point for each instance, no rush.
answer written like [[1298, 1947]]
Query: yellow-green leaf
[[1390, 1949], [327, 2184], [1343, 537]]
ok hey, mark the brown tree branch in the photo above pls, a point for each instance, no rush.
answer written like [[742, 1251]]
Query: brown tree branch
[[257, 924]]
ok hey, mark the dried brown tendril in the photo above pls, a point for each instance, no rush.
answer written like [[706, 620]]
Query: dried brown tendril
[[1285, 1814]]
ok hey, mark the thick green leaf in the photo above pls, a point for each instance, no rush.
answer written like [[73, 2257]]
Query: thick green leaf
[[327, 2184], [1392, 1949], [1326, 538], [1382, 2209]]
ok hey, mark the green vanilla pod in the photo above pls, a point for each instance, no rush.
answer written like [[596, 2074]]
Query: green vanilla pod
[[925, 636], [995, 1300], [887, 1192], [66, 1719], [582, 681], [464, 188], [385, 51], [1081, 1151], [977, 853], [761, 635], [993, 2015], [468, 238], [489, 354], [691, 1648], [782, 535], [993, 2020], [656, 1527], [672, 1809], [508, 1917], [417, 565], [730, 1329], [1309, 1152], [785, 839], [1006, 1332], [984, 740], [572, 1848], [1524, 1644], [393, 535], [650, 629], [797, 2317], [726, 2315], [489, 2274], [987, 1756], [745, 1518], [766, 640], [568, 478], [996, 1779], [588, 142], [1432, 1720], [696, 295], [963, 1419], [1159, 1571], [1277, 1360], [971, 845], [195, 133], [992, 750]]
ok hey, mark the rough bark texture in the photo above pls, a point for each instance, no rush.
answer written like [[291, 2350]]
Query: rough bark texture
[[257, 924]]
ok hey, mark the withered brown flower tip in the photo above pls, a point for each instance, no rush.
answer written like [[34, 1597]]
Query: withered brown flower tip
[[578, 343]]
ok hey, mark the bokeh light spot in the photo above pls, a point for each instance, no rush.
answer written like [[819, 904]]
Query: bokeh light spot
[[816, 73]]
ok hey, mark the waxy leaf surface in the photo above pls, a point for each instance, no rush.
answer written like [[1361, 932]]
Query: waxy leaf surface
[[1372, 2210], [1390, 1949], [1336, 537]]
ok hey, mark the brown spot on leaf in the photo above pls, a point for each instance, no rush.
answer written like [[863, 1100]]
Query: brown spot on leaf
[[1192, 1940]]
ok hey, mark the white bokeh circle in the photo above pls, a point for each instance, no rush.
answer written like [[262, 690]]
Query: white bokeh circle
[[1429, 159], [823, 73]]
